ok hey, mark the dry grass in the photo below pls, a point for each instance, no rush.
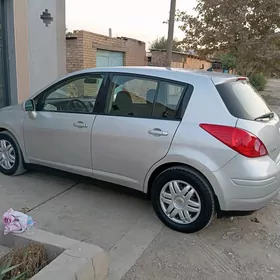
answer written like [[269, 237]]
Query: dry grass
[[32, 258]]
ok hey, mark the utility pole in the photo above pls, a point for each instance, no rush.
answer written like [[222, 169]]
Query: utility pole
[[170, 33]]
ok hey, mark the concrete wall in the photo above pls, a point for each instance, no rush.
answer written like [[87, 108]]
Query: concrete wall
[[81, 50], [40, 50], [60, 37], [21, 50], [46, 43]]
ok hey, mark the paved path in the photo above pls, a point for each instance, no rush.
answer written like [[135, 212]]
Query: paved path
[[121, 222], [139, 246]]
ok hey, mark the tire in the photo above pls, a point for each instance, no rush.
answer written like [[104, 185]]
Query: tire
[[195, 206], [17, 167]]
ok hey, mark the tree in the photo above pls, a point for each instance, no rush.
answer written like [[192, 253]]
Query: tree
[[247, 29], [161, 44], [70, 34], [228, 61]]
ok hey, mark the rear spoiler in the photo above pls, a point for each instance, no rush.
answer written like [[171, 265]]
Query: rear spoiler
[[232, 79]]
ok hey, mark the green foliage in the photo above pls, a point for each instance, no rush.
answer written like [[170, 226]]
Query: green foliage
[[248, 29], [71, 34], [161, 44], [258, 81], [228, 61], [6, 267]]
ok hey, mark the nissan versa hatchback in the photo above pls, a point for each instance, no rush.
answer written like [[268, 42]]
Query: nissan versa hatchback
[[195, 142]]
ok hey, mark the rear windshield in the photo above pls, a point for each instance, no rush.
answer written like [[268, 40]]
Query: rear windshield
[[242, 100]]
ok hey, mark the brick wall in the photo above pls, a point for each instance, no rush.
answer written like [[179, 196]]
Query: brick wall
[[179, 60], [74, 59], [194, 62], [158, 59], [81, 50]]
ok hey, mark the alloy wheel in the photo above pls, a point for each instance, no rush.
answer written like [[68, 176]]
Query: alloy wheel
[[7, 155], [180, 202]]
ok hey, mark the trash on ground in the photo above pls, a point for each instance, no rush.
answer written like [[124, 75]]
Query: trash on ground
[[18, 222]]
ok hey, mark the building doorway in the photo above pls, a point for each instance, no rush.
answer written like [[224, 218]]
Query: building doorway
[[108, 58]]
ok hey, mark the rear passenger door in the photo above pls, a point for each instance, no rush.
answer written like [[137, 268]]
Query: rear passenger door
[[136, 127]]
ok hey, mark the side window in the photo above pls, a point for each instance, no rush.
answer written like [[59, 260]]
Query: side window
[[168, 100], [77, 95], [131, 96]]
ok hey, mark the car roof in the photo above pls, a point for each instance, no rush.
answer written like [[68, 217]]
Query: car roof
[[163, 72]]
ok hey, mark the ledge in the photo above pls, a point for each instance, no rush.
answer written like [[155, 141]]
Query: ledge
[[71, 259]]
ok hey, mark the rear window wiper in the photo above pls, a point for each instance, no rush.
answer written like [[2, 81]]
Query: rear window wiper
[[265, 116]]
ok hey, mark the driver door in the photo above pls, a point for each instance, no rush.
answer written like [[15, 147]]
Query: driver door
[[59, 136]]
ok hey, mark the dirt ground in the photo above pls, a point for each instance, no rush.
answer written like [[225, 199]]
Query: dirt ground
[[231, 248]]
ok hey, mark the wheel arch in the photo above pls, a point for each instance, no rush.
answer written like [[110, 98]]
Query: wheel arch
[[164, 166], [2, 129]]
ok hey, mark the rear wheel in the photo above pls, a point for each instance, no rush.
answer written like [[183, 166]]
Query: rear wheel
[[183, 199], [11, 160]]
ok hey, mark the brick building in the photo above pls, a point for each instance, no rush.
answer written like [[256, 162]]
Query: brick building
[[179, 60], [87, 50]]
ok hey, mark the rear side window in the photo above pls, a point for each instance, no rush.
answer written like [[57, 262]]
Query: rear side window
[[242, 100], [168, 100]]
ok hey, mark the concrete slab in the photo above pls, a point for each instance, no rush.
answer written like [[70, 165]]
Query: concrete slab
[[127, 251], [122, 223], [92, 214], [31, 189]]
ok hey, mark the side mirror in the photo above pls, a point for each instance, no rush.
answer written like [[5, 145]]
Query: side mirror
[[29, 106]]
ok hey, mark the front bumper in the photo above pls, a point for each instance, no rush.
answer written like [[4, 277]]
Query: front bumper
[[248, 184]]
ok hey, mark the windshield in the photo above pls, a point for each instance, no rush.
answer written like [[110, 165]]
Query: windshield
[[242, 100]]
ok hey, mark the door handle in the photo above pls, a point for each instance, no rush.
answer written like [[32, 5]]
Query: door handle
[[80, 124], [158, 132]]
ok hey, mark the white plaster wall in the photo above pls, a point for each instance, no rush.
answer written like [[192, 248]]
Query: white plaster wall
[[47, 45]]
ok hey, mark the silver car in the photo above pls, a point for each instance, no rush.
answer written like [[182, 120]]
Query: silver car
[[196, 142]]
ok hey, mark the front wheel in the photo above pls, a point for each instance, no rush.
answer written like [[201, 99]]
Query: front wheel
[[11, 160], [183, 200]]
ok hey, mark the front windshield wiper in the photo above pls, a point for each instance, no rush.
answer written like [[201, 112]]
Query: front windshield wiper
[[265, 116]]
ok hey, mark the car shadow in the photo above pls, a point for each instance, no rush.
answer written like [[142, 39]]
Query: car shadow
[[89, 181], [110, 187]]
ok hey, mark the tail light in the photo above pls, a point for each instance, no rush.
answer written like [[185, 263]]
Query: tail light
[[242, 141]]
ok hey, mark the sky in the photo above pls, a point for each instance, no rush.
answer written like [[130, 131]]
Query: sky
[[139, 19]]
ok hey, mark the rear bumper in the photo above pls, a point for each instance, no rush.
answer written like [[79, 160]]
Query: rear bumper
[[248, 184]]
